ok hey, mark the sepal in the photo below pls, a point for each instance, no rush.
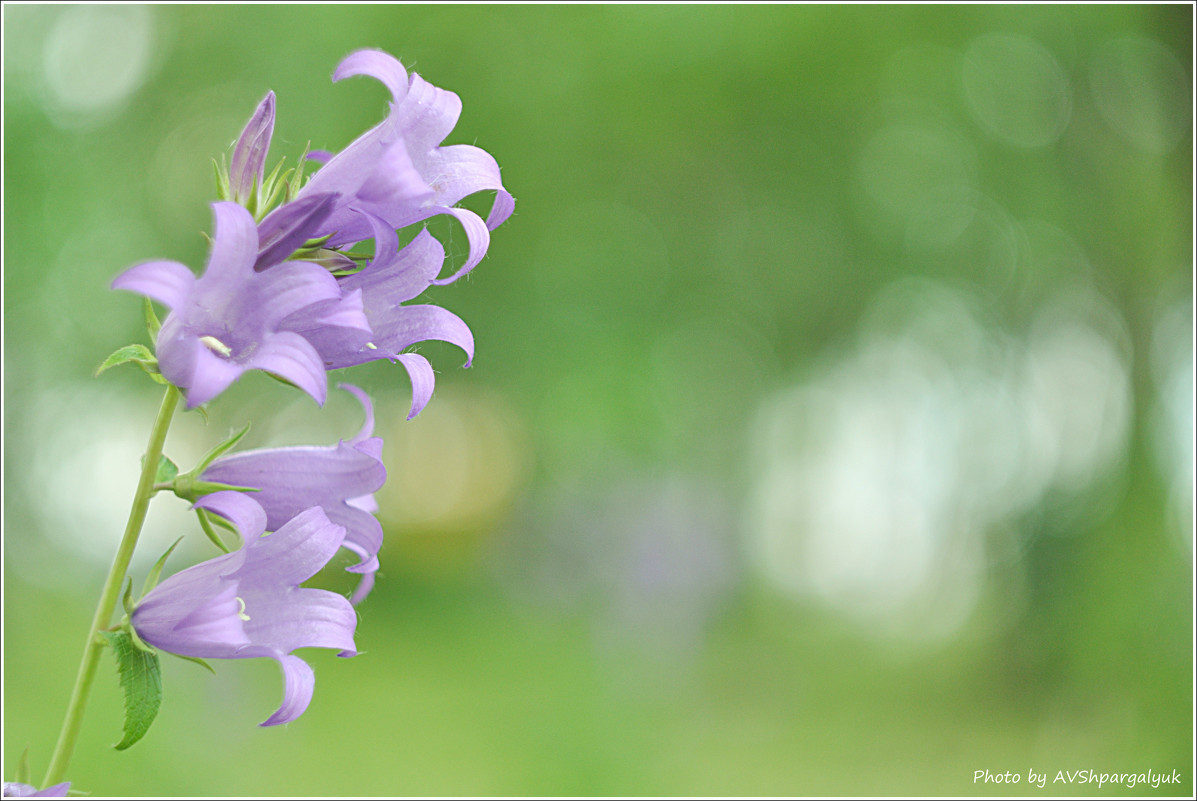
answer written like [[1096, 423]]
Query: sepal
[[151, 579]]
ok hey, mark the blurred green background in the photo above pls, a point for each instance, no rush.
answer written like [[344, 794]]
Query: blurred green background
[[830, 430]]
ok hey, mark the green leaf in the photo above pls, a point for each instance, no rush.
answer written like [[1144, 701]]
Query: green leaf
[[152, 323], [23, 772], [130, 353], [167, 470], [151, 579], [141, 680]]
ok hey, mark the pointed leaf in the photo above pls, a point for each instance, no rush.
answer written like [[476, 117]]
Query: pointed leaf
[[141, 680], [152, 323], [151, 579], [129, 353], [23, 772], [202, 663]]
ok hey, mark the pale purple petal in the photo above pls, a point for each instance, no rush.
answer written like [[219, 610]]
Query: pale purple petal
[[375, 64], [245, 513], [394, 181], [457, 171], [299, 682], [294, 553], [18, 790], [291, 357], [298, 618], [234, 244], [423, 381], [407, 325], [167, 282], [477, 234], [293, 286]]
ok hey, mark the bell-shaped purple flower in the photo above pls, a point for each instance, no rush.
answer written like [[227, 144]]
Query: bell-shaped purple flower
[[341, 479], [248, 603], [379, 289], [18, 790], [398, 172], [228, 321]]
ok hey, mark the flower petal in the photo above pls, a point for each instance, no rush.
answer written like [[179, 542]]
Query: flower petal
[[242, 511], [299, 682], [423, 381], [300, 618], [292, 554], [234, 243], [291, 357], [407, 325], [462, 170], [376, 64], [477, 234], [167, 282]]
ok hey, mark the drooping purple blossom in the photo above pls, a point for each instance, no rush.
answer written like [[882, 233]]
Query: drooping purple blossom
[[398, 172], [248, 603], [341, 479], [18, 790], [227, 321], [391, 278]]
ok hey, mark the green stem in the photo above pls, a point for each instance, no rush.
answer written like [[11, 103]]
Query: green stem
[[112, 588]]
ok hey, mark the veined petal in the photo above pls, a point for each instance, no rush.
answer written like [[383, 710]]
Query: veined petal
[[299, 682], [406, 325], [292, 286], [462, 170], [234, 243], [395, 180], [300, 618], [209, 374], [426, 116], [394, 277], [294, 553], [376, 64], [423, 381], [478, 236], [242, 511], [167, 282], [291, 357]]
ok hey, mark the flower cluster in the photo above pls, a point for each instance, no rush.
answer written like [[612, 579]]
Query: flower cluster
[[287, 291]]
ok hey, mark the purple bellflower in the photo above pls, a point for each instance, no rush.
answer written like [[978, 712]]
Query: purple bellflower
[[341, 479], [248, 603], [398, 172], [18, 790], [380, 288], [227, 321]]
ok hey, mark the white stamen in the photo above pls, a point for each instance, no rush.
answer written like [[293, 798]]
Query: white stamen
[[371, 346], [216, 346], [241, 612]]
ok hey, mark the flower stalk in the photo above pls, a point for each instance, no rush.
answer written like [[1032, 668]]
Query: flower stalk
[[112, 587]]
